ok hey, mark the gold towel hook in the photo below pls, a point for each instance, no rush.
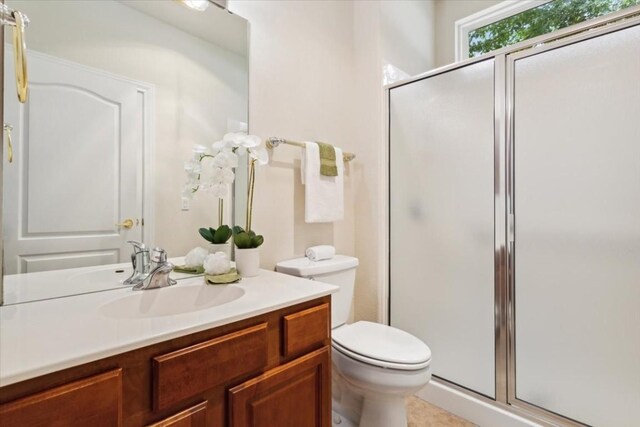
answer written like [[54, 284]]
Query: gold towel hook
[[20, 56], [7, 129]]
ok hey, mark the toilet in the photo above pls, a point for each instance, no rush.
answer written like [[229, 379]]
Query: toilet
[[375, 366]]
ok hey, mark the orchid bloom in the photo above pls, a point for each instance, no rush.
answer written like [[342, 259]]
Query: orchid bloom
[[217, 174]]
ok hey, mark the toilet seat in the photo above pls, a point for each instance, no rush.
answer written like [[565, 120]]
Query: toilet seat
[[381, 345]]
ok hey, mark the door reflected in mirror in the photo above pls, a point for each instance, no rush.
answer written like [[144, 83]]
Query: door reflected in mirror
[[120, 92]]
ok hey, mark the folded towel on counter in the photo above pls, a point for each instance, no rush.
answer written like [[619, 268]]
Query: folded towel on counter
[[328, 166], [323, 195], [188, 269], [222, 279], [318, 253]]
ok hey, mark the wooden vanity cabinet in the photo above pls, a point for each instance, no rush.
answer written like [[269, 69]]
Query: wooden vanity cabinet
[[295, 394], [96, 401], [195, 416], [272, 370]]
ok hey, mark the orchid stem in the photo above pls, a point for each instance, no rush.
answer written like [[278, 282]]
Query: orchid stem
[[220, 211], [252, 181]]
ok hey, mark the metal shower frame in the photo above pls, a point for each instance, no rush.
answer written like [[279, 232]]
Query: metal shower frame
[[504, 221]]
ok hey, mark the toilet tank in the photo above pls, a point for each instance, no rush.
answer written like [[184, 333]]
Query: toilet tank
[[339, 270]]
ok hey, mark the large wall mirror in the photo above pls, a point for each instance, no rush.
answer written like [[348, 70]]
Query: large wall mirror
[[120, 93]]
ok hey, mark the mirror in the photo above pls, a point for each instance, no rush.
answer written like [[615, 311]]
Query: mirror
[[120, 92]]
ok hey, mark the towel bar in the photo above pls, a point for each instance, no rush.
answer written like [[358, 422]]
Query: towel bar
[[274, 141]]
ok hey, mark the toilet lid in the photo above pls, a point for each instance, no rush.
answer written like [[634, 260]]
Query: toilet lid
[[382, 343]]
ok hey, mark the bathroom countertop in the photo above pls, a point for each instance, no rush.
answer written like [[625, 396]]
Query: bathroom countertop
[[41, 337]]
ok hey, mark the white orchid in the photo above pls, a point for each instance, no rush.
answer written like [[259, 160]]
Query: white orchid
[[225, 159], [238, 142], [260, 154], [187, 192], [219, 190], [217, 174], [199, 149], [192, 167], [222, 175], [247, 143]]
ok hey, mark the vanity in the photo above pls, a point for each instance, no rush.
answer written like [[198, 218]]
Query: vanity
[[253, 353]]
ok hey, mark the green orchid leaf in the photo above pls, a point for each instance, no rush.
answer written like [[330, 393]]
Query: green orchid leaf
[[222, 234], [256, 241], [237, 229], [206, 234], [242, 240]]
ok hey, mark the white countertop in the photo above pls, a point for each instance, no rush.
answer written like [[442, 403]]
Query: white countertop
[[41, 337]]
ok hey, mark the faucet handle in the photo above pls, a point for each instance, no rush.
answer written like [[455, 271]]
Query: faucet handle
[[158, 256]]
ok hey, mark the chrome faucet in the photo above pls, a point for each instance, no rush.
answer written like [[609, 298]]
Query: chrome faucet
[[158, 275], [141, 263]]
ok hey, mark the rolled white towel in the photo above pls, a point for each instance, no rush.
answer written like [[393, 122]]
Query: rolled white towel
[[318, 253]]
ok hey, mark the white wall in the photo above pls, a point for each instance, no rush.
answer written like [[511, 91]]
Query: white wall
[[301, 80], [316, 73], [197, 87], [407, 34], [447, 12]]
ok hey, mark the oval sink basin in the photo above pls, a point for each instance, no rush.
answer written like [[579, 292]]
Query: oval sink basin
[[171, 301]]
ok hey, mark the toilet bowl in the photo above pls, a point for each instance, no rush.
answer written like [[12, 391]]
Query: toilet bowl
[[375, 366]]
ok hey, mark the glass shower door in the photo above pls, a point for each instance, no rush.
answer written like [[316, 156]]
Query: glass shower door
[[442, 220], [577, 229]]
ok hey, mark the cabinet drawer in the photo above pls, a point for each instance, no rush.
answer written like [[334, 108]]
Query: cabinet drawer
[[184, 373], [94, 401], [306, 330], [196, 416]]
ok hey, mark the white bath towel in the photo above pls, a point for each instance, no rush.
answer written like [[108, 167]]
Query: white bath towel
[[323, 195], [318, 253]]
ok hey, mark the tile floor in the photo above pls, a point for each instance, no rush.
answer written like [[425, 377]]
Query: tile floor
[[423, 414]]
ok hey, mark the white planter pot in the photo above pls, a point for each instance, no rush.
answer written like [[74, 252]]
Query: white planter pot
[[248, 262], [220, 247]]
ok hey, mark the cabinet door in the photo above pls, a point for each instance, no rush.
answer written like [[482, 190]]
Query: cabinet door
[[95, 401], [196, 416], [297, 394]]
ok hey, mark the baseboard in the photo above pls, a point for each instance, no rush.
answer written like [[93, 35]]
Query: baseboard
[[471, 408]]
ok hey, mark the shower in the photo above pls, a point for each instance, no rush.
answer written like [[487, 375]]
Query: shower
[[514, 223]]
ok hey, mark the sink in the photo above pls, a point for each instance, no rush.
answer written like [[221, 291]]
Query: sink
[[179, 299]]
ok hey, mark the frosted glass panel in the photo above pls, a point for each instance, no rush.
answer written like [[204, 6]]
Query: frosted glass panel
[[577, 213], [441, 243]]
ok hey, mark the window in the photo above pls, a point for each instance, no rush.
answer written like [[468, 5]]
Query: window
[[511, 22]]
